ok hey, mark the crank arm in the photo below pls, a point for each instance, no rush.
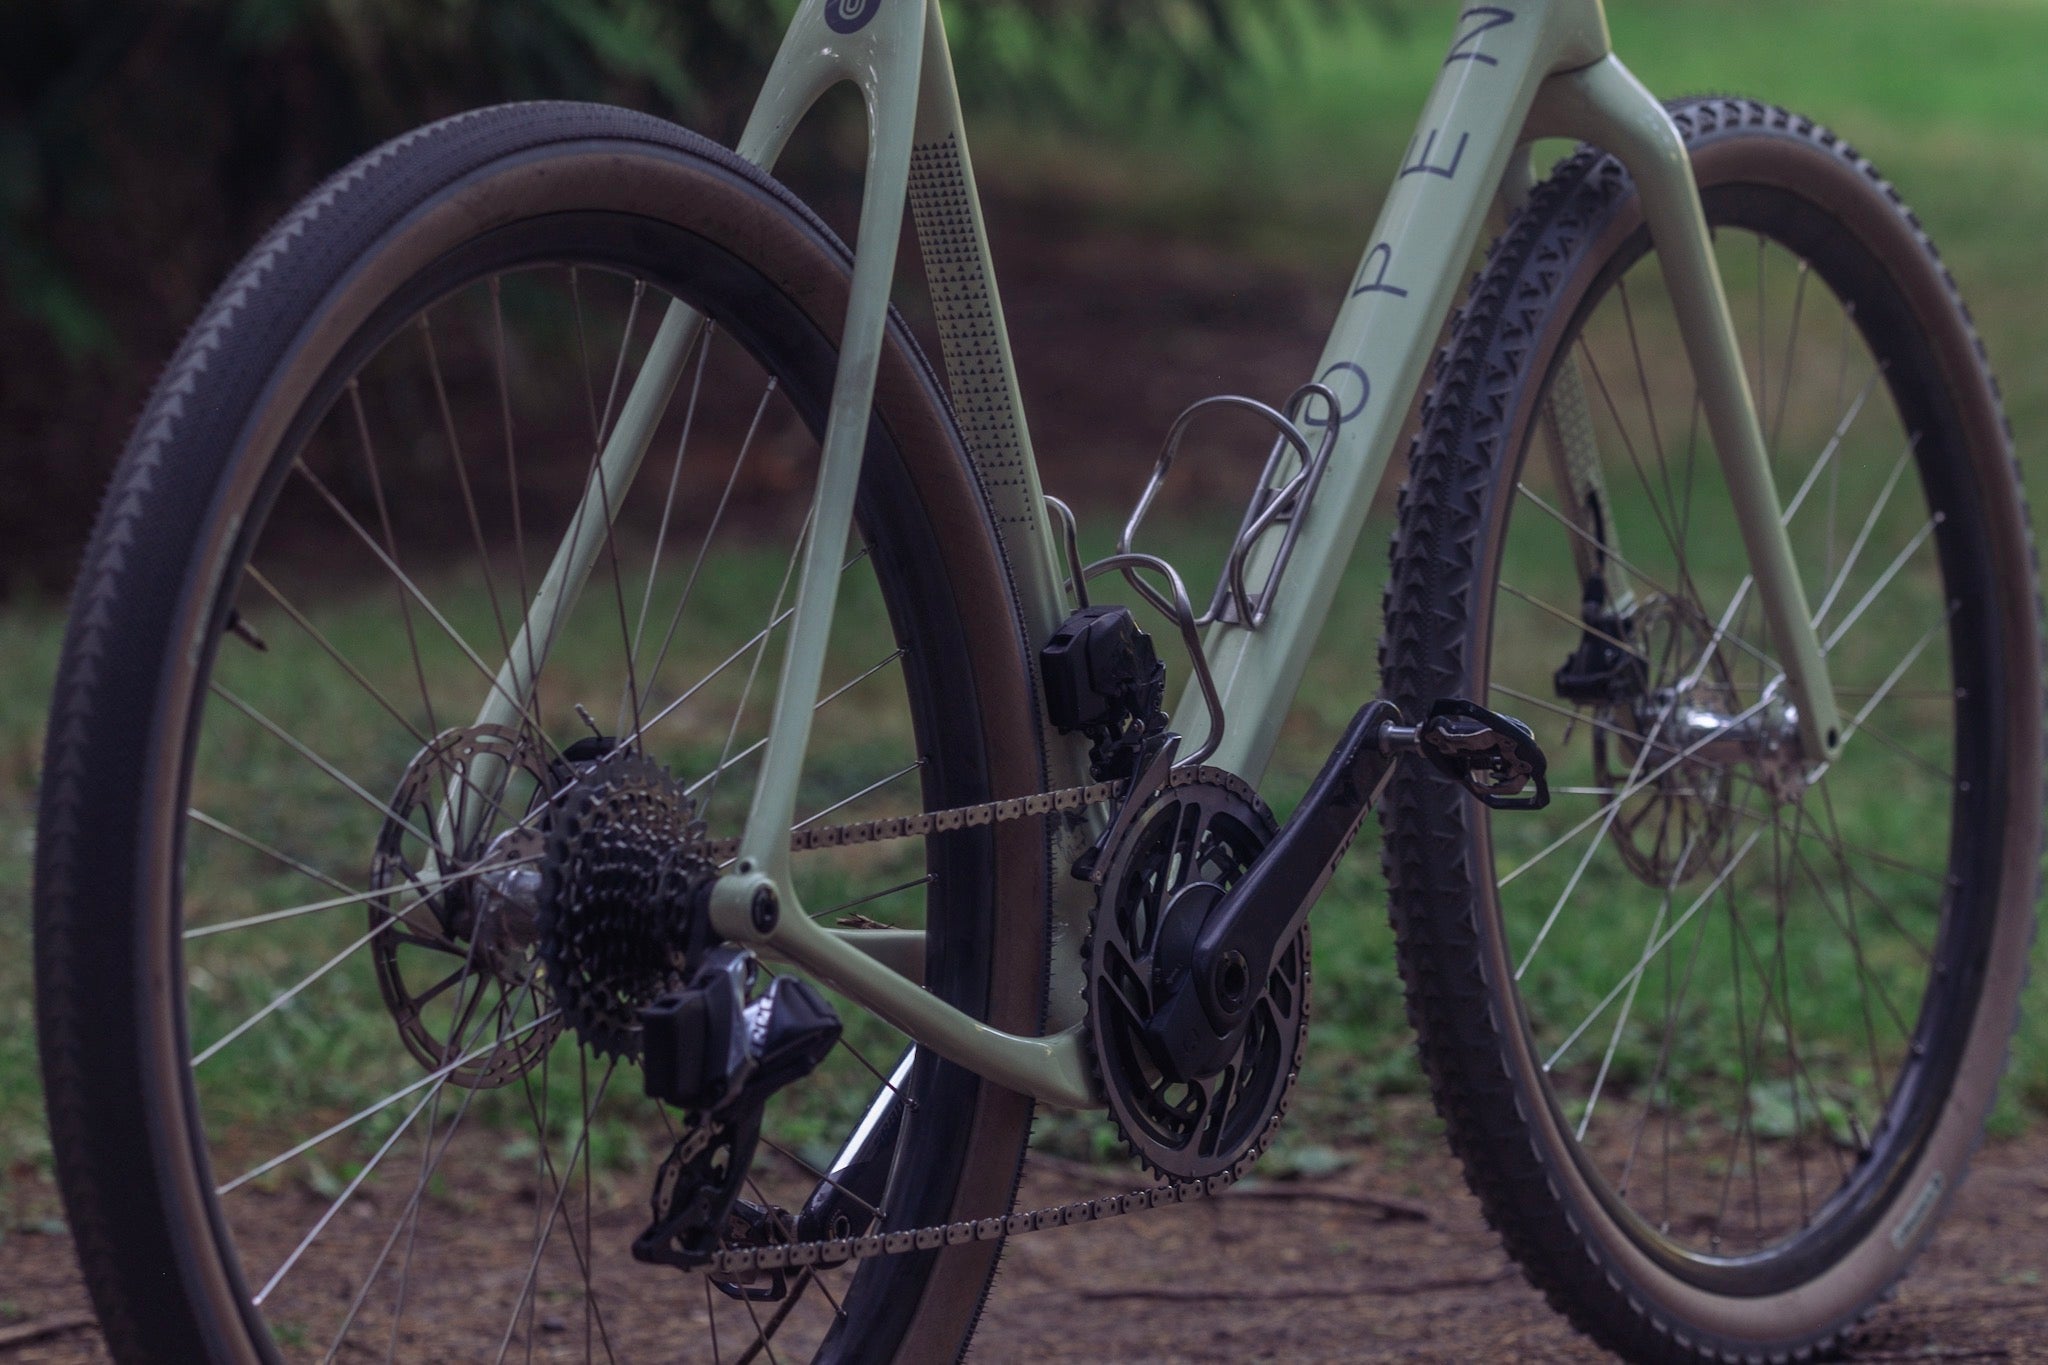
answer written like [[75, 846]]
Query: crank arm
[[1227, 940], [1218, 947]]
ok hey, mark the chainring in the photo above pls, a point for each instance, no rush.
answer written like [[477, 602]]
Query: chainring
[[1208, 826], [624, 856]]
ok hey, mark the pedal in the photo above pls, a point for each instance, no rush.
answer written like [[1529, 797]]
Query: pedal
[[1492, 756]]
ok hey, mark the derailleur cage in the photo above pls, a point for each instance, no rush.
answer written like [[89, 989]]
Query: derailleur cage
[[711, 1052]]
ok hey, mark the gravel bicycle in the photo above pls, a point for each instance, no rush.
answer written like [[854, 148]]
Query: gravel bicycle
[[590, 792]]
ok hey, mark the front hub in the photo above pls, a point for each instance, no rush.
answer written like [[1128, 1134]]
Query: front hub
[[1672, 753]]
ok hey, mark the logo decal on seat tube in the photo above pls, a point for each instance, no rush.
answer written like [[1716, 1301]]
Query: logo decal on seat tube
[[850, 16]]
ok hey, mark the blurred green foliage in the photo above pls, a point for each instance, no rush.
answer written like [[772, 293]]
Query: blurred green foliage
[[253, 95], [145, 143]]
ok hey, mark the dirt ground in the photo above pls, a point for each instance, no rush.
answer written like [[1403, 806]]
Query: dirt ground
[[1388, 1260]]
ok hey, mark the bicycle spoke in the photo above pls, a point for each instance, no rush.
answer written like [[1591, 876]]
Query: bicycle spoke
[[432, 1077], [1621, 1017], [1658, 946], [390, 547], [200, 817], [1884, 581], [529, 721], [702, 346], [710, 533], [327, 647], [455, 460], [299, 747], [348, 1191], [753, 642], [407, 1222], [1635, 784], [352, 898], [868, 790], [1863, 534], [926, 880], [554, 1212], [759, 651], [1786, 371]]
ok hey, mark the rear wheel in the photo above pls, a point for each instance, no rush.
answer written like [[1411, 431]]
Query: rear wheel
[[1716, 1034], [311, 1092]]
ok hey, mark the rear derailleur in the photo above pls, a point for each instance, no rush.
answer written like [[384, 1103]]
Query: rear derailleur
[[717, 1056], [623, 931]]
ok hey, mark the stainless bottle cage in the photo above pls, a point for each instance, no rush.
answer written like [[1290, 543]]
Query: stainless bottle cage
[[1273, 504]]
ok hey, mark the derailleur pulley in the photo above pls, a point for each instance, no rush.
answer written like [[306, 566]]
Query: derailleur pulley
[[711, 1051]]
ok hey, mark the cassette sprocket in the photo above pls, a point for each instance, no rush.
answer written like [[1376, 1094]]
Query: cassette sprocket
[[623, 861]]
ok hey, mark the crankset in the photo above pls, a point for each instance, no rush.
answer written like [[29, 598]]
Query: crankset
[[1197, 961], [1219, 945]]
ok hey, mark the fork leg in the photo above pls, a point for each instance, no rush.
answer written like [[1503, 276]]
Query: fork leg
[[1605, 105]]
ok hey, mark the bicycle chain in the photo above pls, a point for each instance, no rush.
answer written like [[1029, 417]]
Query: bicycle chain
[[840, 1250], [805, 839]]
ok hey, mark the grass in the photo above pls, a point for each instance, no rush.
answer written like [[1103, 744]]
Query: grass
[[1289, 156], [1944, 98]]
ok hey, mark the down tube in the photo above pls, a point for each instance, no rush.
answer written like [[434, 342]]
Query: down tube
[[1383, 336]]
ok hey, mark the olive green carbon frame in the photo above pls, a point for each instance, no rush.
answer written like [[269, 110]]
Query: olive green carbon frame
[[1514, 72]]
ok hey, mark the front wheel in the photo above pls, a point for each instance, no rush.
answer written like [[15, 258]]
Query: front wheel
[[1716, 1034], [315, 1084]]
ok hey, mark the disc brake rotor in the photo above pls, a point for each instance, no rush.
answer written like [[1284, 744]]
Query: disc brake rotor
[[464, 913]]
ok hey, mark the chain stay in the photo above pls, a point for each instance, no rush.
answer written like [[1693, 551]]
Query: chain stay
[[840, 1250]]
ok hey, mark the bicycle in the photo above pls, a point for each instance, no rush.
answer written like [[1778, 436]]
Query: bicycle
[[343, 631]]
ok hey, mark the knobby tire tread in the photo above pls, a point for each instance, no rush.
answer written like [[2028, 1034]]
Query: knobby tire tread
[[1435, 562]]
